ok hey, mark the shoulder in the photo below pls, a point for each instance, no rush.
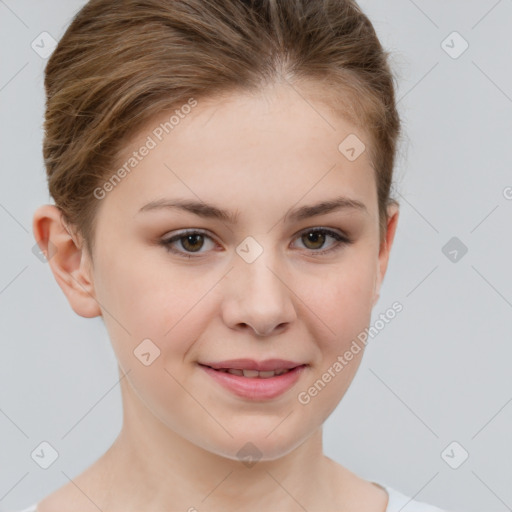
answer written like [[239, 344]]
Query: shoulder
[[400, 502]]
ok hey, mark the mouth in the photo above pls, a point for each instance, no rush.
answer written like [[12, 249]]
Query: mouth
[[253, 374], [253, 384]]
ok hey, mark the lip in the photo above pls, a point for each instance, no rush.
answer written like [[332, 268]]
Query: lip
[[256, 388], [251, 364]]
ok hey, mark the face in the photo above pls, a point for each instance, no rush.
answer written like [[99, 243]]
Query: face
[[275, 276]]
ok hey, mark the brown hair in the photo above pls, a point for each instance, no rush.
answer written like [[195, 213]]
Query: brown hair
[[120, 62]]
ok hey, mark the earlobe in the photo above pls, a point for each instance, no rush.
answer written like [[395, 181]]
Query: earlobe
[[70, 264], [385, 248]]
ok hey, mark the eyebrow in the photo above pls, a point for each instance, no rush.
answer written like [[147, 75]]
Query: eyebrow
[[210, 211]]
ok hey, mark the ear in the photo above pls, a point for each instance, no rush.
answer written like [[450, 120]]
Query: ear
[[385, 248], [71, 266]]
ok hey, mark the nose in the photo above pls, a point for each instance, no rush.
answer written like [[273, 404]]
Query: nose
[[258, 297]]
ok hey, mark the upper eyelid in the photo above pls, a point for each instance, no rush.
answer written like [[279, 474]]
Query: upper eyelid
[[202, 231]]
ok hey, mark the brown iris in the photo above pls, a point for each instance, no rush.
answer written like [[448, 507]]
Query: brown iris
[[192, 243], [314, 237]]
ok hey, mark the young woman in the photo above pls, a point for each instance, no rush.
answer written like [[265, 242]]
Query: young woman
[[221, 174]]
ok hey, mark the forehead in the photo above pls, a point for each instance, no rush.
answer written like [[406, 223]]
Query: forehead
[[279, 141]]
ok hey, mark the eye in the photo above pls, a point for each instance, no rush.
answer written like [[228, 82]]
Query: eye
[[192, 241], [314, 239]]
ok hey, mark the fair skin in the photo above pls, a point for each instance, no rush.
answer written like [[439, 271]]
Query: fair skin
[[260, 156]]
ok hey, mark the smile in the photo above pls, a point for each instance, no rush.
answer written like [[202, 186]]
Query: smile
[[255, 384]]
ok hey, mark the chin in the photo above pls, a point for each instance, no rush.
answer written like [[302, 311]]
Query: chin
[[257, 445]]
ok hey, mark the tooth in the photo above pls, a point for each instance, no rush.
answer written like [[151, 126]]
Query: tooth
[[235, 371], [266, 375], [280, 372], [250, 373]]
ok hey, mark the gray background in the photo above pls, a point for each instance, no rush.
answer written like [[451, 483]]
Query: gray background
[[438, 373]]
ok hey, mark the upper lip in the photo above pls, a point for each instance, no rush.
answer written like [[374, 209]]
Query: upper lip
[[251, 364]]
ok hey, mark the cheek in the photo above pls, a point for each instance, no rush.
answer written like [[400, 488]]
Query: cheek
[[344, 305], [344, 301], [156, 317], [159, 303]]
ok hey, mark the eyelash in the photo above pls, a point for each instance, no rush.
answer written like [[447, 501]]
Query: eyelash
[[340, 239]]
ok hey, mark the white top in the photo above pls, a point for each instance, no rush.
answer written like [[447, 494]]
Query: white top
[[397, 502]]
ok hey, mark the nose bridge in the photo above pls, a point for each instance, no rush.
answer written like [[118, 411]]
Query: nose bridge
[[259, 278], [258, 294]]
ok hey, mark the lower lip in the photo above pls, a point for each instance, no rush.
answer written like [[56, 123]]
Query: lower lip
[[256, 388]]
